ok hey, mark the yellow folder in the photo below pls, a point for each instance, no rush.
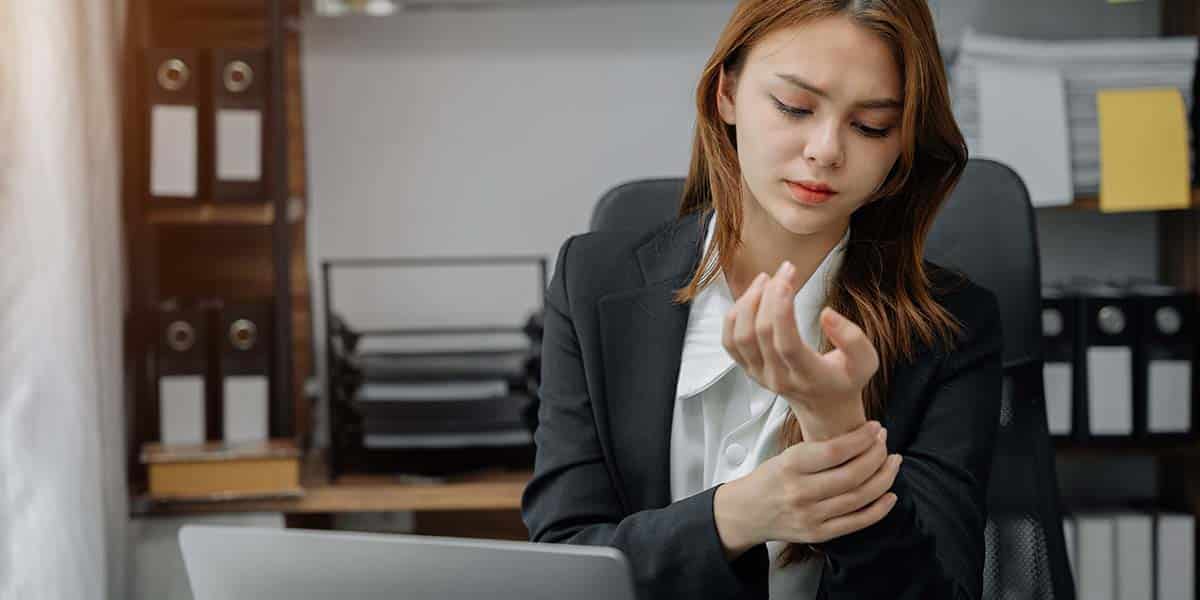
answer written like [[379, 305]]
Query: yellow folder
[[1143, 150]]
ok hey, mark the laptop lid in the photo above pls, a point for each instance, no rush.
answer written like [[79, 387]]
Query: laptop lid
[[224, 563]]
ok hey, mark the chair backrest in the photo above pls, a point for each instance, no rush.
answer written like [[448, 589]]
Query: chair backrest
[[987, 230], [639, 205]]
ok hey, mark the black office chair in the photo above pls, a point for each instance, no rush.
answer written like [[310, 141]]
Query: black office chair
[[987, 230]]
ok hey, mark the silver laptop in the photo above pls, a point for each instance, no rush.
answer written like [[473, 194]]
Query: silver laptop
[[224, 563]]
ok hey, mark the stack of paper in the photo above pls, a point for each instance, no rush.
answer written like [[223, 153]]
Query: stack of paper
[[1033, 104]]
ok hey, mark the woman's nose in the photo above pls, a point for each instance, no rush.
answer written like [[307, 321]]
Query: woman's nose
[[824, 148]]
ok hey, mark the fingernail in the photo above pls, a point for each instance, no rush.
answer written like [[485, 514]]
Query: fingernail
[[882, 435], [760, 279], [876, 426], [787, 268], [897, 459], [892, 498]]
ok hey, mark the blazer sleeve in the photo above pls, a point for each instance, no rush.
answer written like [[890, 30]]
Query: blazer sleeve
[[674, 551], [931, 545]]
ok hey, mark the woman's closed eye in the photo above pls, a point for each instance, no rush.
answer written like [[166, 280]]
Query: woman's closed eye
[[796, 113]]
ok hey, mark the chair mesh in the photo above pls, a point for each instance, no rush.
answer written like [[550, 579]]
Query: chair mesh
[[1016, 565], [1017, 560]]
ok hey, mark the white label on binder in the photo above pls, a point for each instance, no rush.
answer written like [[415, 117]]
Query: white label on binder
[[173, 145], [1095, 554], [1169, 396], [1069, 539], [1176, 557], [1056, 377], [239, 145], [1110, 390], [1134, 544], [246, 408], [181, 409]]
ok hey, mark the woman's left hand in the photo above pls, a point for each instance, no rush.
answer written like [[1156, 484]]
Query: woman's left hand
[[761, 335]]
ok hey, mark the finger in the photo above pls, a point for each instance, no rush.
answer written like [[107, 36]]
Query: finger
[[798, 355], [844, 478], [858, 356], [743, 331], [868, 492], [730, 326], [815, 457], [766, 329], [855, 521], [785, 345]]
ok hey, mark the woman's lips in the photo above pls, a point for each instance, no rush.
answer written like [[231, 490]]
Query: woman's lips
[[809, 196]]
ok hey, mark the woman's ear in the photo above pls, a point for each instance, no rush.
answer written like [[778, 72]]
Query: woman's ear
[[726, 90]]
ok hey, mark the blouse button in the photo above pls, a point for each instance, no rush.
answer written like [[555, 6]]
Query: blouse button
[[735, 454]]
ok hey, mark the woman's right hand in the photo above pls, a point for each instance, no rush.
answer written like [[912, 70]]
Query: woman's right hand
[[810, 493]]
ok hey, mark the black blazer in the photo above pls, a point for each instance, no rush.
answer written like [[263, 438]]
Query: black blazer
[[610, 361]]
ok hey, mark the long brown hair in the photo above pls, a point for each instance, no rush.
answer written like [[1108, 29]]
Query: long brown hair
[[882, 285]]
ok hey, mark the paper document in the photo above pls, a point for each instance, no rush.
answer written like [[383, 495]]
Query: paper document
[[1143, 150]]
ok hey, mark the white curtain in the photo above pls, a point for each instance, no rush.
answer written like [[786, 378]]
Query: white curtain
[[63, 502]]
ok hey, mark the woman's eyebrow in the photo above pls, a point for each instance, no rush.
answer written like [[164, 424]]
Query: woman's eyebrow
[[875, 103]]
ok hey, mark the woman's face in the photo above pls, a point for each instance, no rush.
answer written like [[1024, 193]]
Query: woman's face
[[815, 104]]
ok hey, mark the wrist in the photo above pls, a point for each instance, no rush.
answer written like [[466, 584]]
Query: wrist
[[732, 514], [831, 419]]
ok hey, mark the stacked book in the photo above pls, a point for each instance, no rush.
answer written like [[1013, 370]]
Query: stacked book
[[1032, 104], [216, 471]]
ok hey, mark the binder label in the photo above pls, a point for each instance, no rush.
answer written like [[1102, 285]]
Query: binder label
[[239, 145], [173, 141]]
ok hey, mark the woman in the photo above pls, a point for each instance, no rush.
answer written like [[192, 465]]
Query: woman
[[829, 433]]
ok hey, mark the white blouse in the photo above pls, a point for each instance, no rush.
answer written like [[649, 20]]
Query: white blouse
[[725, 424]]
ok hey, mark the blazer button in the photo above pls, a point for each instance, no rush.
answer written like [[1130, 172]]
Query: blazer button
[[735, 454]]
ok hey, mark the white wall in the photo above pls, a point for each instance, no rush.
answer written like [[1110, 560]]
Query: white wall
[[492, 131], [487, 132]]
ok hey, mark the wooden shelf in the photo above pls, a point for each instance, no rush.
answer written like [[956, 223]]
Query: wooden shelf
[[1092, 203], [485, 491], [1066, 447], [223, 214]]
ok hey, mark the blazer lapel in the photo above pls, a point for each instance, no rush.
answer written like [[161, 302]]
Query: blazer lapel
[[642, 333]]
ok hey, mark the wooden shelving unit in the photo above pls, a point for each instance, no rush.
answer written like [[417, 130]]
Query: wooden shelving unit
[[237, 251], [1178, 479]]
